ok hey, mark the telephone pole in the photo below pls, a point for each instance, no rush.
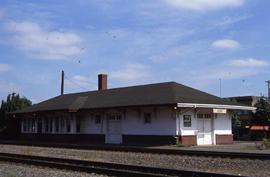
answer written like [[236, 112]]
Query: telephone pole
[[62, 82], [220, 87], [268, 84]]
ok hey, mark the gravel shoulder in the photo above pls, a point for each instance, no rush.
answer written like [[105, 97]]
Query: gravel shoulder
[[258, 168], [20, 170]]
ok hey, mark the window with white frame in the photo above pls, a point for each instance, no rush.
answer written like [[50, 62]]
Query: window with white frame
[[114, 117], [208, 115], [204, 115], [200, 116], [187, 120]]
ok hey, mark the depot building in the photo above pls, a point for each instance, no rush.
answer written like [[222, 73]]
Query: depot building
[[161, 113]]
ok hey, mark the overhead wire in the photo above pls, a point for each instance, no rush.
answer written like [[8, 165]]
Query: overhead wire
[[78, 85]]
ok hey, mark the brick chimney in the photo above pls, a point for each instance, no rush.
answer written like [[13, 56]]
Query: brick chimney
[[102, 81]]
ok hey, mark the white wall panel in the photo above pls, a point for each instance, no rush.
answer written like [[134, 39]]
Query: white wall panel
[[163, 122], [223, 124]]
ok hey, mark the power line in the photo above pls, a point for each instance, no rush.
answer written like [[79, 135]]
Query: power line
[[78, 85]]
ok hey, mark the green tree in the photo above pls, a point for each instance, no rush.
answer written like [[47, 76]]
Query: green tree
[[236, 125], [13, 102], [262, 115]]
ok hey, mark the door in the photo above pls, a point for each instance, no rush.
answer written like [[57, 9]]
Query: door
[[204, 136], [114, 130]]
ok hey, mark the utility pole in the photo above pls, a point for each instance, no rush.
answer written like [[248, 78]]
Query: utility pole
[[62, 82], [220, 87], [268, 84]]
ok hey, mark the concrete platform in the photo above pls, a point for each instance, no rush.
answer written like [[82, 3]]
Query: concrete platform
[[237, 146]]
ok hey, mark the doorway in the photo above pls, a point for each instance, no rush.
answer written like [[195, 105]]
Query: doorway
[[205, 132], [114, 129]]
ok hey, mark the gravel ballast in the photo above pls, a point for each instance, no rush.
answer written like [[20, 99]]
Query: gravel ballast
[[247, 167], [20, 170]]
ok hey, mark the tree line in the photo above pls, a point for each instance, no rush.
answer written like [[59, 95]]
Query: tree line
[[12, 103]]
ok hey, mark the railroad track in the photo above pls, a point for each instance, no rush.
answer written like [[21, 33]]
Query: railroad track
[[241, 155], [111, 169]]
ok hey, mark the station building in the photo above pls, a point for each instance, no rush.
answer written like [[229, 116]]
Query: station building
[[161, 113]]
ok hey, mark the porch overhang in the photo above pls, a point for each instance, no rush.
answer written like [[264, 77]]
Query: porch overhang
[[215, 106]]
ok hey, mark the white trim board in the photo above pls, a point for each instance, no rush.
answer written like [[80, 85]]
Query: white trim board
[[218, 106]]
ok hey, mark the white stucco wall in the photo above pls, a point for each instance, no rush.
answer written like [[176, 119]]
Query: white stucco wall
[[223, 124], [162, 123], [89, 126], [132, 123]]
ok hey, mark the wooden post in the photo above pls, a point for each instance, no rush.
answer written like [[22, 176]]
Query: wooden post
[[62, 82], [268, 84]]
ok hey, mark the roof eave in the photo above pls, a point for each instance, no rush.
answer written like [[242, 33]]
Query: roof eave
[[217, 106]]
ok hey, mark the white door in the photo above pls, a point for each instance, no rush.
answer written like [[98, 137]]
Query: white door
[[114, 130], [204, 126]]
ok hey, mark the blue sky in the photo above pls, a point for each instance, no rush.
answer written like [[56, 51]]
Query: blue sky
[[195, 42]]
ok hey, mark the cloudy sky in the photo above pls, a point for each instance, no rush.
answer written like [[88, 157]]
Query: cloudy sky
[[194, 42]]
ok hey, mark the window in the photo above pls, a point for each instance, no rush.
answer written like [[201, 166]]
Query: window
[[24, 125], [97, 119], [114, 117], [56, 123], [147, 118], [187, 120], [33, 126], [50, 125], [62, 124], [118, 117], [28, 125], [200, 116], [208, 116], [68, 125], [46, 125], [78, 126]]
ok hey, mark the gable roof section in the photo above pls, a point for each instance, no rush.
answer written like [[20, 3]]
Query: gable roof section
[[142, 95]]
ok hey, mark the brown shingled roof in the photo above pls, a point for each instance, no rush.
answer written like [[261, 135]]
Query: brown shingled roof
[[142, 95]]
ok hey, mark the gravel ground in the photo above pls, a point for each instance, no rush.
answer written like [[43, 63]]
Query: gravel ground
[[20, 170], [259, 168]]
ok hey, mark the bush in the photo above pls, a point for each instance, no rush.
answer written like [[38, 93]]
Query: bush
[[265, 143]]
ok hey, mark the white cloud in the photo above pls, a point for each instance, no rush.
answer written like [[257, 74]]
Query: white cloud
[[41, 43], [226, 44], [202, 5], [131, 72], [227, 20], [249, 62], [4, 67]]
